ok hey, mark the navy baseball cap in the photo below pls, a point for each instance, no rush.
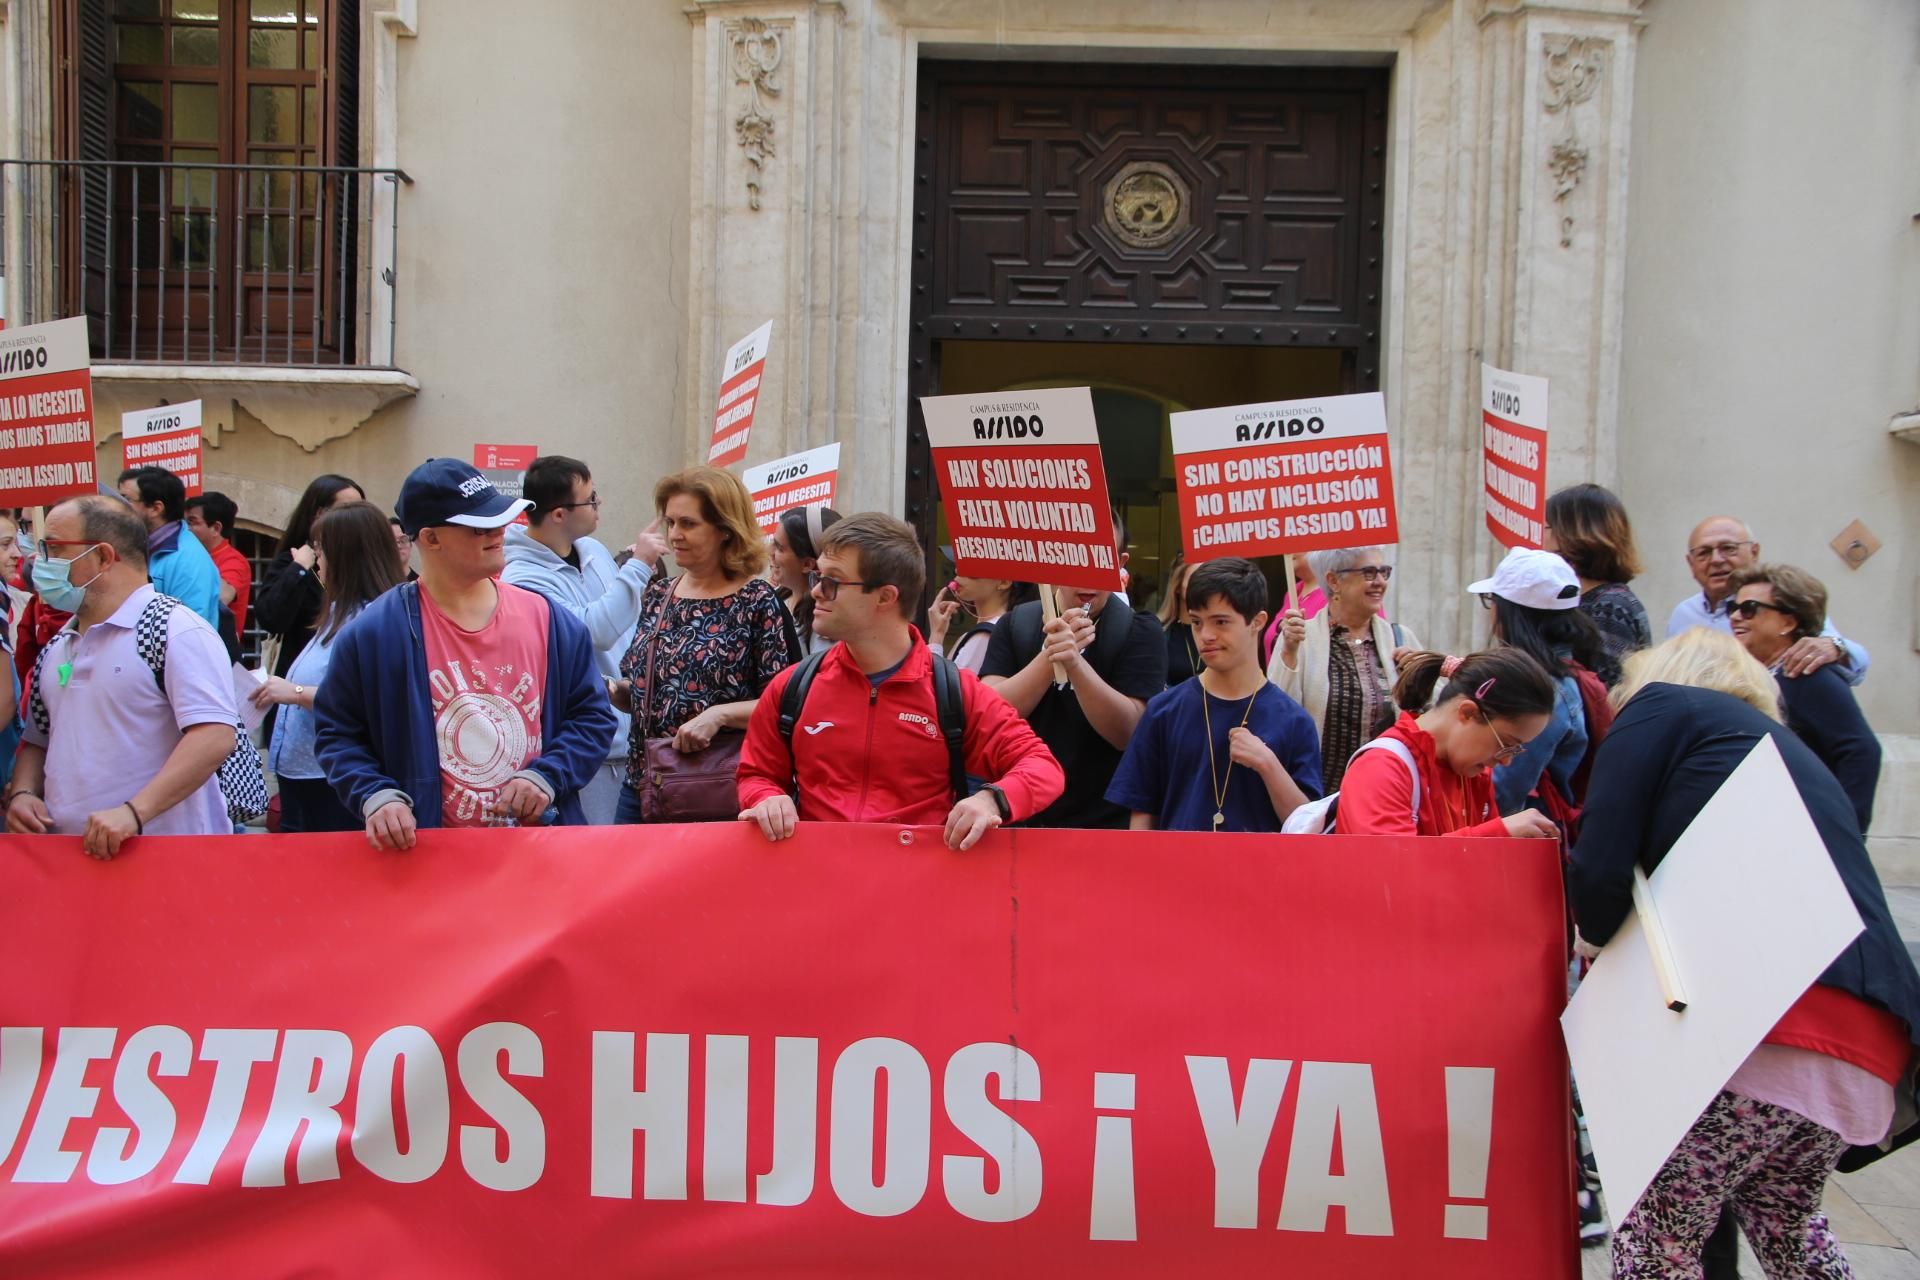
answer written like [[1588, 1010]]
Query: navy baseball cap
[[448, 491]]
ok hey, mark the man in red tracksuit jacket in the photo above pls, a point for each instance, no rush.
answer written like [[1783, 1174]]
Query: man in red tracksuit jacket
[[868, 745]]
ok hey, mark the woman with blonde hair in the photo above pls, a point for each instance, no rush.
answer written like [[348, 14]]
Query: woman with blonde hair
[[1826, 1080], [708, 639]]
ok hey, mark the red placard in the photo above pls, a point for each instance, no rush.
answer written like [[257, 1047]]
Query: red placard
[[1287, 476], [167, 436], [529, 1052], [46, 414], [797, 480], [1513, 443], [740, 378], [1024, 487]]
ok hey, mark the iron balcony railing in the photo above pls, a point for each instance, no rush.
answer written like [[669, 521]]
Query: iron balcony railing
[[206, 263]]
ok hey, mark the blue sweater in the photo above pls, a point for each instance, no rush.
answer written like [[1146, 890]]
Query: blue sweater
[[374, 726]]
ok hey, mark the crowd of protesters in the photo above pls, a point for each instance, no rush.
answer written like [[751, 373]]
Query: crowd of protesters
[[472, 659]]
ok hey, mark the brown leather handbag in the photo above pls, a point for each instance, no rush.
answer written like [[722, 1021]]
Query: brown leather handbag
[[685, 786]]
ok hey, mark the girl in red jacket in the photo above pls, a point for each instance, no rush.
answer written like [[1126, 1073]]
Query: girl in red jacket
[[1492, 705]]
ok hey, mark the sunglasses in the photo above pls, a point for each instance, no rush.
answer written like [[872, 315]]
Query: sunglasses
[[1749, 609]]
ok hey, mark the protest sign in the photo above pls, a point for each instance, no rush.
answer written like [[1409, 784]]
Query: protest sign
[[528, 1052], [1286, 476], [797, 480], [1750, 925], [740, 376], [1023, 486], [1513, 444], [168, 436], [46, 414], [505, 465]]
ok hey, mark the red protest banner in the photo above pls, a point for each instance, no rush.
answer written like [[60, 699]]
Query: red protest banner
[[168, 436], [1024, 488], [1287, 476], [529, 1052], [797, 480], [740, 376], [1513, 431], [46, 414]]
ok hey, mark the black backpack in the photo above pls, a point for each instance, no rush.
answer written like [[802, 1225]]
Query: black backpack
[[947, 697]]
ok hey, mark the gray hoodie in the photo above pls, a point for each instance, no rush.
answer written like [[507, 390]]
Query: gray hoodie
[[603, 595]]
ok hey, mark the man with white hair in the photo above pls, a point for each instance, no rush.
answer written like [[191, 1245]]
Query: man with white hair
[[1719, 546]]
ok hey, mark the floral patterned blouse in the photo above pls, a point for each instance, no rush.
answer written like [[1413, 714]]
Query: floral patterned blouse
[[711, 652]]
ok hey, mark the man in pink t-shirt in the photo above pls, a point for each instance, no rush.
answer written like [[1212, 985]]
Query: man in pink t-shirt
[[460, 701], [486, 687]]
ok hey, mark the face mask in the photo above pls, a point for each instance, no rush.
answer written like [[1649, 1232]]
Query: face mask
[[53, 580]]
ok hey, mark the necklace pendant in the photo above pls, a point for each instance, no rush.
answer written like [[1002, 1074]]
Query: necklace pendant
[[1219, 819]]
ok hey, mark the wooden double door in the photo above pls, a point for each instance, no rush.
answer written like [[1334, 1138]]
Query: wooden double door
[[1143, 209]]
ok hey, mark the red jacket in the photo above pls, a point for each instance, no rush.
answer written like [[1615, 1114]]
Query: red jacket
[[867, 754], [1376, 795]]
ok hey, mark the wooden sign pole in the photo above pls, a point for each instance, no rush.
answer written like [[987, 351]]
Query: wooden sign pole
[[1658, 943]]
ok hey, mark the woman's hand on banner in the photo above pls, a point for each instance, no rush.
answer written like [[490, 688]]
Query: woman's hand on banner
[[775, 816], [1531, 824]]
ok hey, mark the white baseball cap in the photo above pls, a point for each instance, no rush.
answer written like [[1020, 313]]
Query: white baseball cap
[[1536, 579]]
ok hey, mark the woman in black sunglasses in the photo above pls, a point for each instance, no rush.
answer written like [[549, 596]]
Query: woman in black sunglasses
[[1773, 606]]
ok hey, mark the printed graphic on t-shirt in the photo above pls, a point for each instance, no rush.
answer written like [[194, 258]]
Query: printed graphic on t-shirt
[[486, 723]]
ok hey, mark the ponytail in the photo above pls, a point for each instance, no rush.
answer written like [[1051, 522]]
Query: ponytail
[[1506, 682]]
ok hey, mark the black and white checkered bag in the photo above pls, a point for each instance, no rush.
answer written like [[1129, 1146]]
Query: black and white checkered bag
[[242, 783]]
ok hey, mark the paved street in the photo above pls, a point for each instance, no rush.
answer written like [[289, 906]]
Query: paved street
[[1875, 1212]]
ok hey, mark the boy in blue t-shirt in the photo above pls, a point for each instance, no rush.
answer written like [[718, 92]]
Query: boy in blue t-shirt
[[1226, 751]]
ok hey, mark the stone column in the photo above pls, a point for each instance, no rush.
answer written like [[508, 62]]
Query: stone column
[[1518, 122], [772, 204]]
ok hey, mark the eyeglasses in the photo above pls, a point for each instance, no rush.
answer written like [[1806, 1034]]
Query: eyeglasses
[[44, 543], [1505, 753], [593, 502], [1709, 550], [1371, 572], [1749, 608], [829, 588], [1486, 599]]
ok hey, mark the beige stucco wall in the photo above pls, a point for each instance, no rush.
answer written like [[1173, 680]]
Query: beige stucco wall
[[541, 260], [1772, 326]]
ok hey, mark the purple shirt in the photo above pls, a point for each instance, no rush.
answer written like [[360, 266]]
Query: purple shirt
[[112, 727]]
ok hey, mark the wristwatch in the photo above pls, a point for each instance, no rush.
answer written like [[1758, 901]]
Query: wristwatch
[[1000, 801]]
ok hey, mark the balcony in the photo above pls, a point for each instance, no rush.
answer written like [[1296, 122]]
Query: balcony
[[274, 278]]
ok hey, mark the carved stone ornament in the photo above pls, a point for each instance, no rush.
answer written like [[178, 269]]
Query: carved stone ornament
[[1146, 205], [757, 49], [1573, 69]]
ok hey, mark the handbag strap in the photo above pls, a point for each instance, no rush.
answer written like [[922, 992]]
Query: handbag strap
[[653, 650]]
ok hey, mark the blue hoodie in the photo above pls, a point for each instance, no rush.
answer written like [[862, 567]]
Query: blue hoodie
[[374, 714]]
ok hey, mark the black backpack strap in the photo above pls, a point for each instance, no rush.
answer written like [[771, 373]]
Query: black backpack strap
[[793, 698], [949, 700], [1027, 623]]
